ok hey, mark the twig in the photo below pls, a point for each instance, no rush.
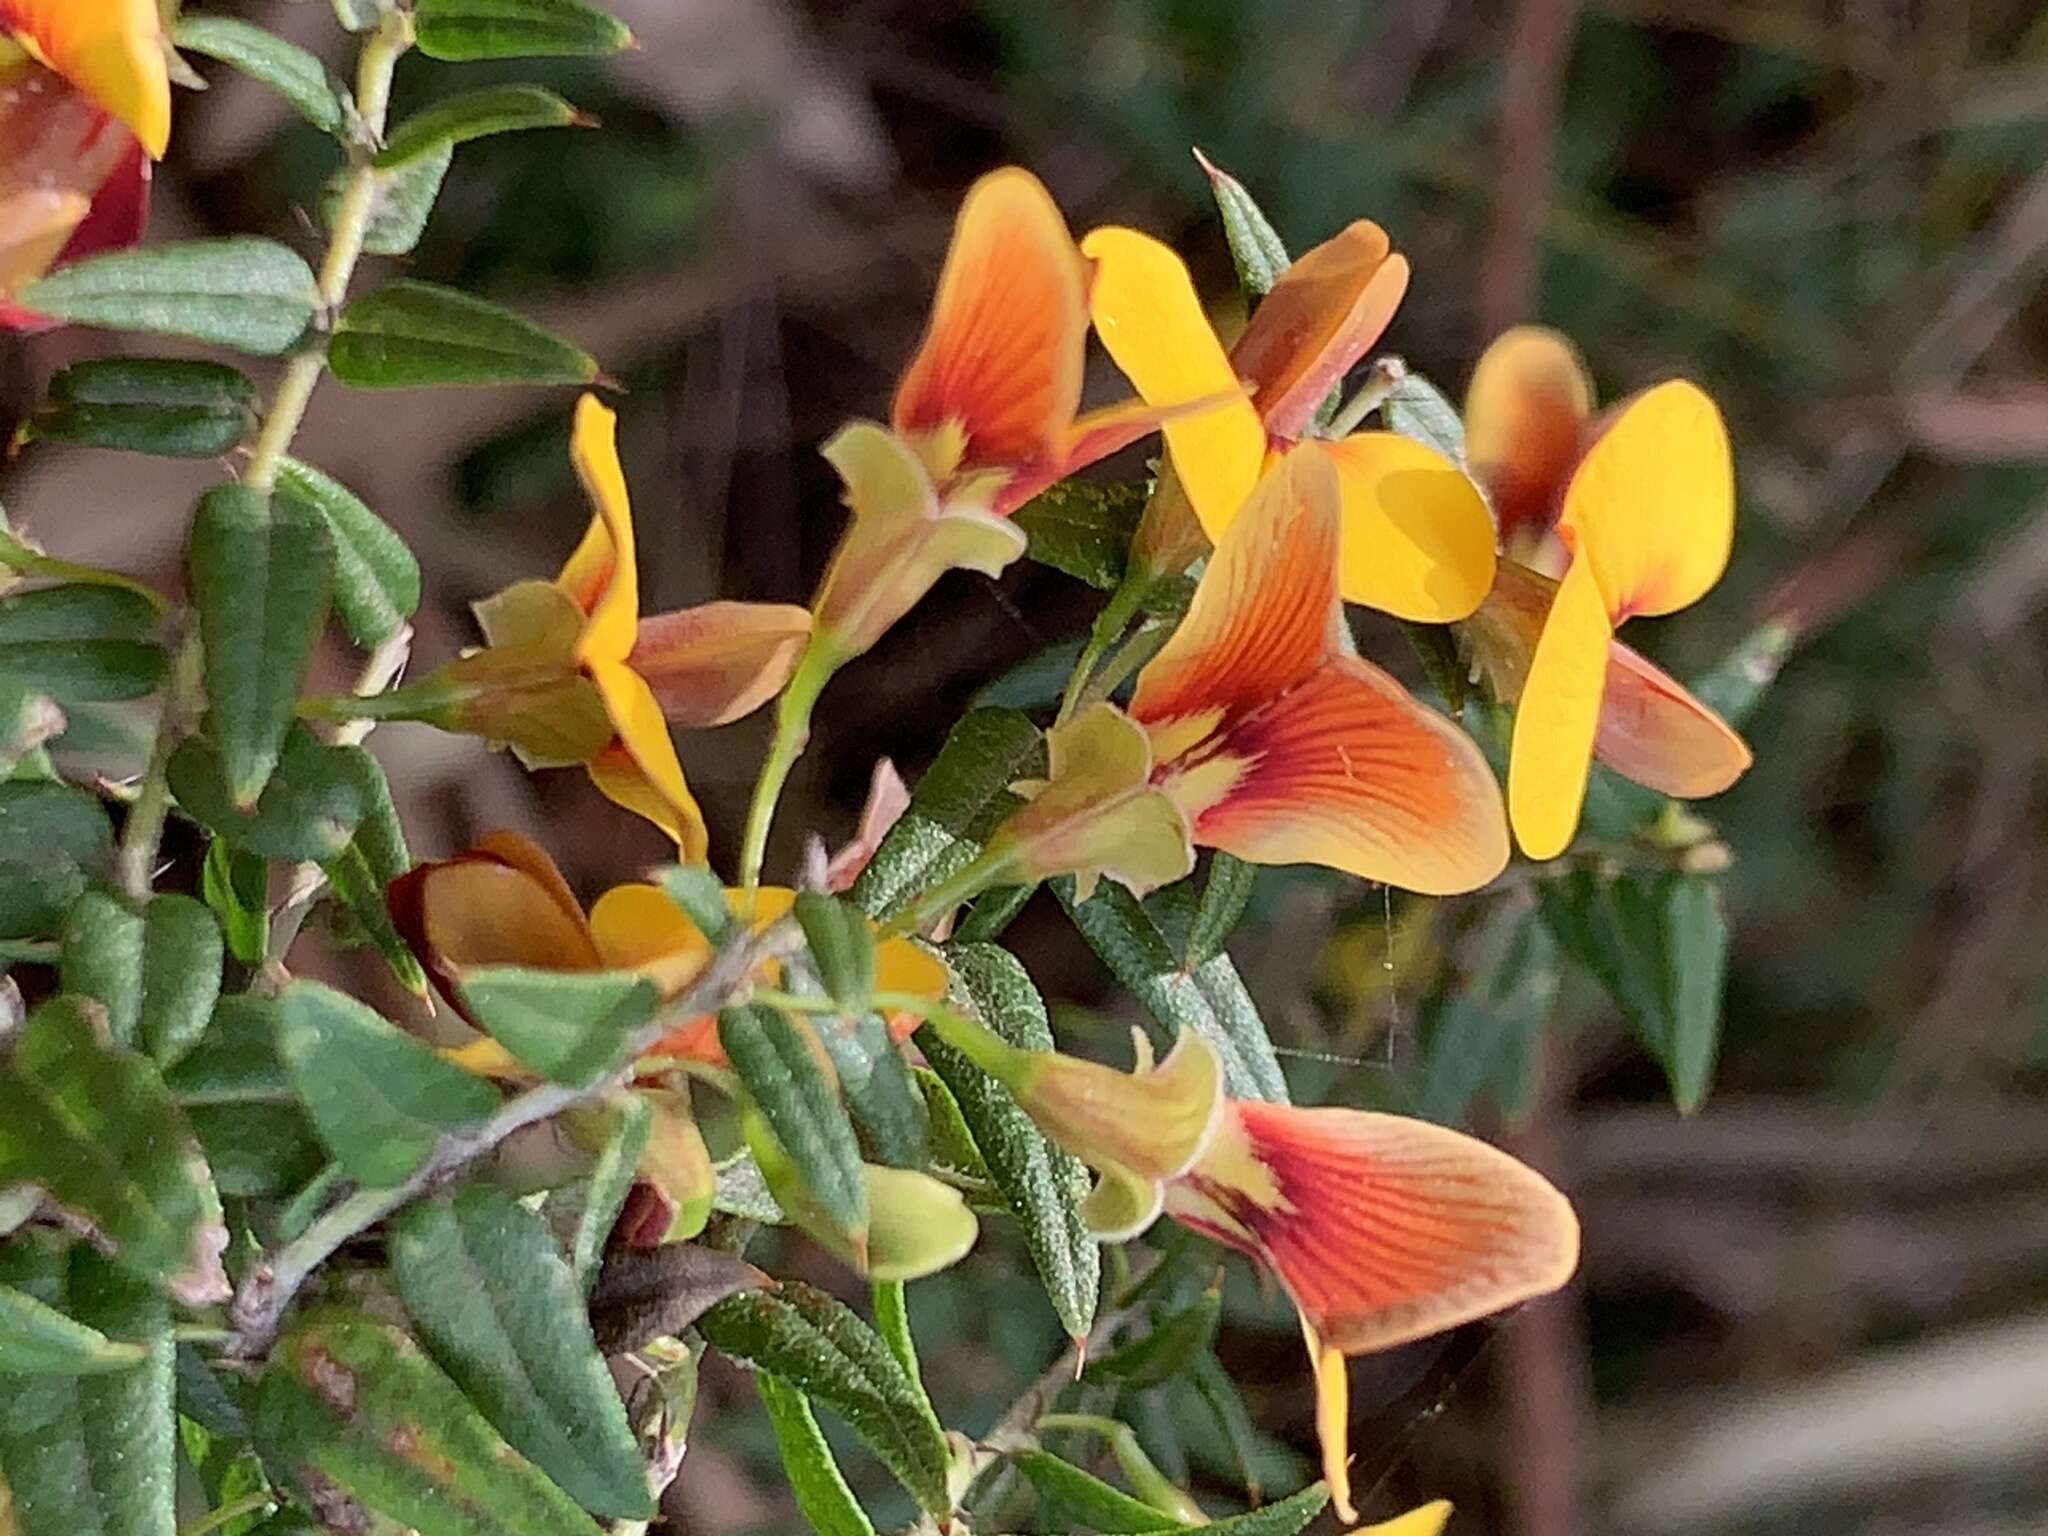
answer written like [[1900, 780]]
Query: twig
[[135, 864], [270, 1285]]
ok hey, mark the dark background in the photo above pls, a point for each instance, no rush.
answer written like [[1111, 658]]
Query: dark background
[[1818, 1306]]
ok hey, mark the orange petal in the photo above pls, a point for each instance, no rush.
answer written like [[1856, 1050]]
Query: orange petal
[[717, 662], [1525, 420], [640, 770], [1002, 356], [1651, 507], [1350, 772], [638, 928], [1321, 317], [1558, 717], [1265, 615], [1332, 1373], [603, 574], [1146, 312], [1656, 733], [533, 861], [1383, 1229], [694, 1041], [72, 182], [112, 50], [477, 912], [1417, 541]]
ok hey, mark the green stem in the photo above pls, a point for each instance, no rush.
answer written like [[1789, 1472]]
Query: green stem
[[792, 734], [135, 863], [995, 866], [351, 227], [1110, 624], [1381, 381], [213, 1520], [1142, 646]]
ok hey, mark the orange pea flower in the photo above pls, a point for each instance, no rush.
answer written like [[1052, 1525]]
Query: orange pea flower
[[1382, 1229], [1256, 731], [573, 674], [1642, 499], [1417, 542], [85, 106], [986, 416]]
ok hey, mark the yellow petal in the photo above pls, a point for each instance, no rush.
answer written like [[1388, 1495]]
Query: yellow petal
[[902, 965], [1651, 508], [1417, 540], [615, 615], [1429, 1520], [1333, 1419], [487, 1058], [1525, 419], [641, 772], [1152, 324], [1558, 718], [113, 50], [638, 928]]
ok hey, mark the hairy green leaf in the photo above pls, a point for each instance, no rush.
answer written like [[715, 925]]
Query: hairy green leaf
[[1225, 895], [1255, 246], [252, 295], [827, 1504], [309, 809], [236, 886], [39, 1336], [842, 947], [80, 643], [181, 964], [376, 577], [292, 72], [51, 836], [235, 1091], [175, 408], [411, 335], [611, 1180], [402, 199], [475, 115], [1084, 529], [570, 1026], [1416, 408], [102, 959], [1087, 1499], [773, 1055], [878, 1087], [1174, 1344], [464, 30], [1286, 1518]]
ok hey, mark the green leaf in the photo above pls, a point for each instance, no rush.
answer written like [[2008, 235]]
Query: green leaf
[[1086, 1499], [817, 1344], [262, 575], [401, 201], [822, 1496], [1210, 999], [376, 577], [892, 1322], [1175, 1343], [842, 946], [235, 1091], [1734, 686], [1043, 1186], [464, 30], [611, 1180], [415, 334], [1255, 246], [376, 855], [380, 1099], [1658, 944], [1485, 1035], [359, 15], [254, 296], [500, 1311], [1417, 409], [24, 559], [1286, 1518], [51, 835], [236, 886], [94, 1455], [80, 643], [181, 963], [1225, 895], [175, 408], [961, 799], [878, 1087], [102, 960], [773, 1056], [475, 115], [358, 1416], [309, 810], [96, 1129], [701, 895], [28, 719], [1084, 529], [292, 72], [38, 1337], [571, 1027]]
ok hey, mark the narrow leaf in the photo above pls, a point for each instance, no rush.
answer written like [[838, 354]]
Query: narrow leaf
[[827, 1504], [81, 643], [176, 408], [878, 1087], [1286, 1518], [475, 115], [102, 960], [1255, 246], [500, 1311], [1175, 1343], [1225, 895], [292, 72], [38, 1336], [376, 577], [1087, 1499], [254, 296], [775, 1060], [464, 30], [415, 334], [401, 201], [236, 886], [181, 963], [1417, 408], [842, 946], [611, 1180]]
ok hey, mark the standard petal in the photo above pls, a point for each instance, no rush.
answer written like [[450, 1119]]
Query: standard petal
[[1656, 733], [1417, 541], [1382, 1228], [1152, 324], [1525, 421], [112, 50], [1321, 317], [471, 912], [1558, 717], [638, 928], [532, 860], [1349, 771], [1002, 356], [1265, 615], [715, 663], [603, 575], [1651, 508], [640, 770]]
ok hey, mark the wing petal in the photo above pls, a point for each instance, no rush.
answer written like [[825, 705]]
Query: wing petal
[[1417, 541], [1653, 731], [714, 663], [1558, 717]]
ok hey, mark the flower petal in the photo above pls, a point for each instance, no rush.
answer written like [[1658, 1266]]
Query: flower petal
[[887, 800], [1558, 717], [715, 663], [1002, 356], [638, 928], [640, 770], [471, 912], [1332, 1375], [1417, 539], [1651, 508], [1383, 1229], [1525, 420], [72, 182], [112, 50], [1321, 317], [1096, 813], [1653, 731], [1152, 324], [1429, 1520], [1351, 772], [533, 861], [603, 574]]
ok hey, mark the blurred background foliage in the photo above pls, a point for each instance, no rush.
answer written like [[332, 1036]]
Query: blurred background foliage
[[1818, 1305]]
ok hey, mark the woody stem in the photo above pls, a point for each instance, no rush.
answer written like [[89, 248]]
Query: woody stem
[[792, 734]]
